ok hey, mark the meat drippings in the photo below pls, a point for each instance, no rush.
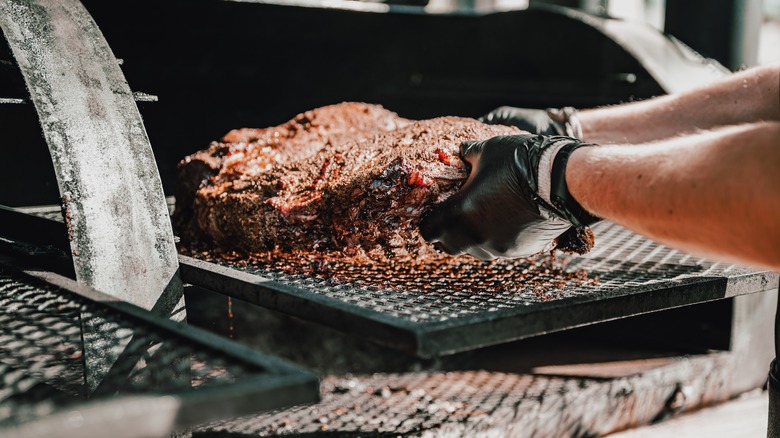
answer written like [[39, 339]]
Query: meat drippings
[[576, 240], [545, 276]]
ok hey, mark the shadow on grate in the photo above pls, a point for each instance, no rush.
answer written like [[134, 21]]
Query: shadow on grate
[[45, 369]]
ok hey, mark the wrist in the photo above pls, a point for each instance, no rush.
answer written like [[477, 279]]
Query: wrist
[[544, 171], [566, 121], [560, 196]]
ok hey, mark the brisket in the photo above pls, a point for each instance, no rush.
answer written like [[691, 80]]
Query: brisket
[[244, 153], [350, 179]]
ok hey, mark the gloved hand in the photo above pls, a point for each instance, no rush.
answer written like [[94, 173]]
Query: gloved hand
[[551, 121], [505, 209]]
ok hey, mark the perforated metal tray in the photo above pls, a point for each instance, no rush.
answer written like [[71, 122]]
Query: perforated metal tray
[[169, 376]]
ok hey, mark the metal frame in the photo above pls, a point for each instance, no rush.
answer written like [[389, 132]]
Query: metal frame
[[432, 339], [438, 338], [280, 384]]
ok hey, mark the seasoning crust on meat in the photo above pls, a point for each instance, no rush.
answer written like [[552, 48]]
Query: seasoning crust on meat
[[351, 178], [244, 153]]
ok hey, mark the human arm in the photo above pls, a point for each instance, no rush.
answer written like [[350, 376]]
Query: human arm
[[716, 193], [744, 97], [712, 193]]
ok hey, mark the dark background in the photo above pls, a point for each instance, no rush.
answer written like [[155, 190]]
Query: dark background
[[219, 65]]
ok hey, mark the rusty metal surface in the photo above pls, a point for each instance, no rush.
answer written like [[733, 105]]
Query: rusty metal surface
[[118, 223], [482, 403]]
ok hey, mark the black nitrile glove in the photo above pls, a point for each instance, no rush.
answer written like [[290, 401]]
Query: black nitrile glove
[[499, 211], [551, 121]]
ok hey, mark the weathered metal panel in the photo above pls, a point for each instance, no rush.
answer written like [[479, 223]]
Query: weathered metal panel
[[118, 222]]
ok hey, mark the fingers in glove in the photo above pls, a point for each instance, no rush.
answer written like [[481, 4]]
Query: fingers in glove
[[481, 253], [539, 237], [454, 238], [435, 224], [498, 116], [456, 249], [432, 225], [449, 249], [535, 121], [449, 228], [459, 238], [470, 151]]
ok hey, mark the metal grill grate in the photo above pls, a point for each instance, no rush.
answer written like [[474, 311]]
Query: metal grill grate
[[437, 293], [45, 368], [434, 310], [438, 309], [482, 403]]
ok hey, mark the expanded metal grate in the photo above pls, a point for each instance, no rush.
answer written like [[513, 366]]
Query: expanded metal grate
[[484, 403], [438, 309], [60, 350], [440, 292], [430, 310]]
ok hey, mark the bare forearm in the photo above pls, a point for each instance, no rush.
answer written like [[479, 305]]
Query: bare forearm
[[716, 193], [745, 97]]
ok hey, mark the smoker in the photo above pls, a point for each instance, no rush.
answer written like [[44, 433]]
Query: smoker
[[659, 333]]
